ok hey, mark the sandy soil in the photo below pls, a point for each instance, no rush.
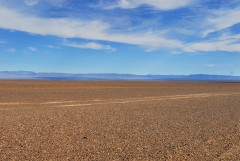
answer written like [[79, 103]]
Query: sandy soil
[[97, 120]]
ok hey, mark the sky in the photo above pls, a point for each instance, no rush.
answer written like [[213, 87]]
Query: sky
[[177, 37]]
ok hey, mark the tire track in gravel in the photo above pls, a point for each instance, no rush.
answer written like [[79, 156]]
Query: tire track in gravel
[[147, 99], [12, 105]]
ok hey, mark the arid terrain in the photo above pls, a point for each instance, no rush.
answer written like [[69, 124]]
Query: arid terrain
[[119, 120]]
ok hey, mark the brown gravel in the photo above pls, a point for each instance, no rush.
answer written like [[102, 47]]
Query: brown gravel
[[97, 120]]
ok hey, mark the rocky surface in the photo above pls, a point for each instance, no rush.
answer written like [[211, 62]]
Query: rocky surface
[[49, 120]]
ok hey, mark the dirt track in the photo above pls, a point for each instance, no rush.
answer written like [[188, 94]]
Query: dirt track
[[43, 120]]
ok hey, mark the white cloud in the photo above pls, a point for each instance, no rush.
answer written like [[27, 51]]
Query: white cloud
[[90, 45], [53, 47], [11, 50], [210, 46], [32, 49], [221, 19], [228, 36], [76, 28], [57, 3], [210, 65], [31, 2], [226, 42], [2, 42], [176, 52], [61, 27], [159, 4]]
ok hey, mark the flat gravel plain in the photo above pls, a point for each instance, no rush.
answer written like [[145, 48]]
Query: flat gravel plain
[[119, 120]]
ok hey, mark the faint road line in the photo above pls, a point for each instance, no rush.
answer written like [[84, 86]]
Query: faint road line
[[147, 99], [10, 103], [112, 101]]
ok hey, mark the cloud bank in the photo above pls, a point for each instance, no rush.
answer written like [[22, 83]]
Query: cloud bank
[[159, 4], [77, 28], [150, 39]]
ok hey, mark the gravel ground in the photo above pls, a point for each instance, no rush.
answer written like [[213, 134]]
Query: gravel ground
[[97, 120]]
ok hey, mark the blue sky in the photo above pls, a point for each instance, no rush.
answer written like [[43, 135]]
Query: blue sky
[[121, 36]]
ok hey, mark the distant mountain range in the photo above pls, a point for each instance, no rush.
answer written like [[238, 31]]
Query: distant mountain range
[[28, 75]]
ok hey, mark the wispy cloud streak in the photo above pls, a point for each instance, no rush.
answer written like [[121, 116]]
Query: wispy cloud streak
[[221, 19], [90, 45], [76, 28], [159, 4]]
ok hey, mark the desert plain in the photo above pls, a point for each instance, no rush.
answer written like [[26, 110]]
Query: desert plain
[[119, 120]]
